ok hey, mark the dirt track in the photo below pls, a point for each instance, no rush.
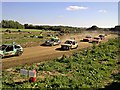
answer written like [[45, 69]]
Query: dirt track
[[41, 53]]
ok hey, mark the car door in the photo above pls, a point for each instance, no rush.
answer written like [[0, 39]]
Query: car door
[[57, 41], [9, 51], [73, 44]]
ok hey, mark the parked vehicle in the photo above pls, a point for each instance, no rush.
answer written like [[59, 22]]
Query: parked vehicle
[[52, 41], [69, 44], [34, 36], [40, 36], [49, 36], [87, 39], [10, 50]]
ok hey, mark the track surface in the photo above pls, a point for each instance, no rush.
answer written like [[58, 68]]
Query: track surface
[[42, 53]]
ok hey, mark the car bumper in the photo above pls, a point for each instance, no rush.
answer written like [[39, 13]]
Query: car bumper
[[65, 47]]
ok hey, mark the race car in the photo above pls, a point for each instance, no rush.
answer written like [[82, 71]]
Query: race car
[[87, 39], [69, 44], [96, 40], [10, 50], [52, 41], [102, 36]]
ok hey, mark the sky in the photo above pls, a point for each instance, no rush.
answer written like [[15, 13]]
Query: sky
[[76, 14], [60, 0]]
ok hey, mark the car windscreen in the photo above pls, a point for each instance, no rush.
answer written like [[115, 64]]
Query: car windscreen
[[101, 36], [17, 46], [3, 47], [52, 40], [96, 38], [68, 42], [88, 36]]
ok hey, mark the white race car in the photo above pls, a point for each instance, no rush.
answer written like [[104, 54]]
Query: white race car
[[52, 42], [69, 44], [10, 49]]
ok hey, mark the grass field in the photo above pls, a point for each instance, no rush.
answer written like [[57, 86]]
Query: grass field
[[26, 38], [30, 30]]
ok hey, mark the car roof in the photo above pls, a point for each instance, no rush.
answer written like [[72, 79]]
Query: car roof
[[70, 40], [54, 38], [96, 37], [101, 34], [88, 36], [9, 44]]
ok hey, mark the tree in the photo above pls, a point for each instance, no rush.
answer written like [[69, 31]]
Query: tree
[[11, 24], [94, 27], [117, 28]]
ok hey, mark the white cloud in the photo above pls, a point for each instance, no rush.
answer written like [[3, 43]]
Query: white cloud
[[74, 8], [102, 11]]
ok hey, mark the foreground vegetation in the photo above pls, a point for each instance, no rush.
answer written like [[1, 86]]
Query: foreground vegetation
[[93, 67]]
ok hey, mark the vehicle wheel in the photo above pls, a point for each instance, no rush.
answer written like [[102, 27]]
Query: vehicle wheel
[[19, 53], [76, 47], [98, 42], [1, 56], [52, 44], [68, 48]]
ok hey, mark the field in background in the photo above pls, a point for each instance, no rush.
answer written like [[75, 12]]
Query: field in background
[[26, 37], [27, 30]]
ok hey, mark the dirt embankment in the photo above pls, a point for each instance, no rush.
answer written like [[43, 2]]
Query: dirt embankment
[[41, 53]]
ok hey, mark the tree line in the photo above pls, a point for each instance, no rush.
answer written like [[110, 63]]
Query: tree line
[[17, 25], [53, 28]]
